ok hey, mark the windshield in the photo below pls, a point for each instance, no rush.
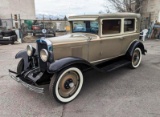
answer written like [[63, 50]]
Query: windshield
[[85, 26]]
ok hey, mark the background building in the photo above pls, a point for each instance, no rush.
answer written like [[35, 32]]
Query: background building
[[26, 9], [151, 8], [12, 12]]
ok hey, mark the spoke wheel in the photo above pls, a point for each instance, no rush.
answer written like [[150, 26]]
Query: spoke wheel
[[66, 85]]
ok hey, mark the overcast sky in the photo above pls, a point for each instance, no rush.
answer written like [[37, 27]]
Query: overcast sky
[[69, 7]]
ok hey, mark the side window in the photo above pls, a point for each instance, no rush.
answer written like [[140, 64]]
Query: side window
[[129, 25], [94, 27], [79, 26], [111, 26]]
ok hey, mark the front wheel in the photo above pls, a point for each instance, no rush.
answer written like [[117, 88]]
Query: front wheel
[[136, 58], [66, 85]]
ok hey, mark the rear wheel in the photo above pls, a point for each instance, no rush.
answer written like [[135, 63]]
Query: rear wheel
[[136, 58], [66, 85]]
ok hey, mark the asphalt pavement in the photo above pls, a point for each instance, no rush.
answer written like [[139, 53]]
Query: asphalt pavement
[[121, 93]]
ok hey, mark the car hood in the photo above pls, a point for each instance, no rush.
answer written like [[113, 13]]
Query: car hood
[[73, 37]]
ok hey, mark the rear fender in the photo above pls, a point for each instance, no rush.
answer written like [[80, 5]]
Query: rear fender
[[133, 46]]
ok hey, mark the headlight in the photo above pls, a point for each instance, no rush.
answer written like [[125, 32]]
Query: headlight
[[44, 55], [29, 50]]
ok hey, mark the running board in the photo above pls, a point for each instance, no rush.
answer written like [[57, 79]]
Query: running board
[[113, 65]]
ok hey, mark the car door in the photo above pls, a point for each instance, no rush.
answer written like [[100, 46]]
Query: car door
[[111, 47], [94, 50], [111, 39]]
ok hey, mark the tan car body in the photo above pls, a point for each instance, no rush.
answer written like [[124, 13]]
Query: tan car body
[[61, 61], [96, 48]]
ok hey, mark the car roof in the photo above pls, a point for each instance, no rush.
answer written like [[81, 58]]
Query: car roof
[[109, 15]]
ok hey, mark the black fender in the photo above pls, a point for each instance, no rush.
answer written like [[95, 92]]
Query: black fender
[[133, 46], [23, 54], [60, 64]]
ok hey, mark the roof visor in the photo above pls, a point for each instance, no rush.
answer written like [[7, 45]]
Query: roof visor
[[83, 19]]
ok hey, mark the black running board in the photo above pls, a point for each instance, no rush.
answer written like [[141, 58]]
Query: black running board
[[115, 66], [112, 65]]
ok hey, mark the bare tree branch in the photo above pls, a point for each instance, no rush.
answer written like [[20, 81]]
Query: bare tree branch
[[126, 5]]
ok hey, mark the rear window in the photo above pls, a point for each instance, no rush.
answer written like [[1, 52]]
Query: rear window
[[129, 25], [111, 26]]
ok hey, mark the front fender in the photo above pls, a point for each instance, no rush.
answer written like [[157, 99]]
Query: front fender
[[23, 54], [68, 61]]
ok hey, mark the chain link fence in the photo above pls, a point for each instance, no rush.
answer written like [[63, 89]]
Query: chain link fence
[[28, 30]]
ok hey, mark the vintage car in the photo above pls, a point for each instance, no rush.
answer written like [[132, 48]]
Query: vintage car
[[37, 28], [103, 42], [8, 37]]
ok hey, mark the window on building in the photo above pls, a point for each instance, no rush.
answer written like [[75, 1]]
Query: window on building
[[129, 25], [111, 26]]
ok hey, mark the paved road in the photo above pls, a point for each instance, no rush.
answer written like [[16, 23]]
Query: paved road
[[121, 93]]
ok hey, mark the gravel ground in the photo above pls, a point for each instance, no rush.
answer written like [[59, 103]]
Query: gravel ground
[[121, 93]]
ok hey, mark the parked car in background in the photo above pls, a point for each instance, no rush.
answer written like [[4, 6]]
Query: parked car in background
[[103, 42], [37, 28], [8, 37]]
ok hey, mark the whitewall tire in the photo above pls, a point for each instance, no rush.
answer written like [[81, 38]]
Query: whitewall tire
[[66, 85], [136, 58]]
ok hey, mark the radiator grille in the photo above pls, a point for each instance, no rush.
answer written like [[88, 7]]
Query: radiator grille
[[42, 65]]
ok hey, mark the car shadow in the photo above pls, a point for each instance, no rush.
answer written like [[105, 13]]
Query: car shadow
[[95, 84], [93, 80]]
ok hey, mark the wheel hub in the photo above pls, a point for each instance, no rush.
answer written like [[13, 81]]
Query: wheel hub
[[69, 84], [136, 58]]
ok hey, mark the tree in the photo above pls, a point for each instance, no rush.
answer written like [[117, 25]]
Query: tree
[[126, 5], [65, 18], [138, 5]]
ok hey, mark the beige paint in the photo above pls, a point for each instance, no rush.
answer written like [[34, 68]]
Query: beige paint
[[95, 48]]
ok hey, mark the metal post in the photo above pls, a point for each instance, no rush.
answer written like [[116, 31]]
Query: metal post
[[44, 26], [12, 20], [20, 21]]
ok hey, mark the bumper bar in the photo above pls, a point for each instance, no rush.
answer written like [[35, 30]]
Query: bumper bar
[[28, 86]]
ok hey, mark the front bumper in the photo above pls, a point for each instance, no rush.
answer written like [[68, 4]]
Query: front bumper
[[36, 89]]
